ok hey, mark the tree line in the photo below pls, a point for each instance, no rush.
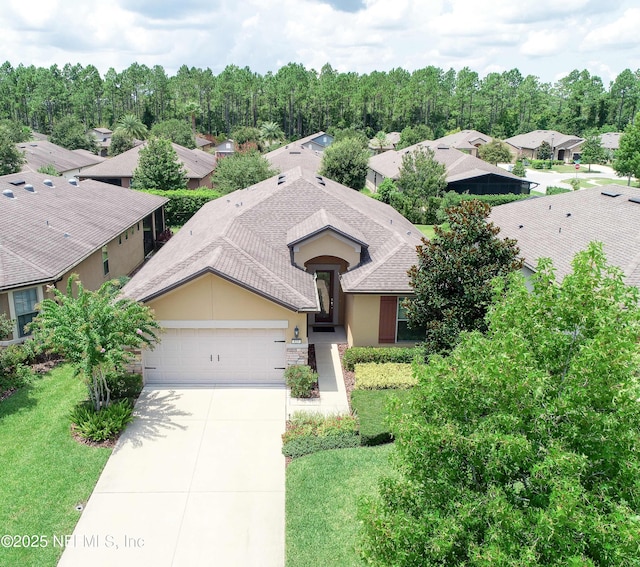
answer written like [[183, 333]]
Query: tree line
[[303, 101]]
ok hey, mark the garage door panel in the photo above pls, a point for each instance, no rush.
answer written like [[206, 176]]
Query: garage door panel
[[209, 356]]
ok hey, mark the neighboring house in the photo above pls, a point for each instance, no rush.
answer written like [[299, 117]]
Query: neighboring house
[[563, 146], [317, 142], [559, 226], [610, 143], [225, 148], [464, 173], [237, 287], [68, 163], [119, 169], [53, 227], [467, 141], [294, 154], [103, 139], [203, 143], [391, 141]]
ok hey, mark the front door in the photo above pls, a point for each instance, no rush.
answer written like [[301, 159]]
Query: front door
[[324, 283]]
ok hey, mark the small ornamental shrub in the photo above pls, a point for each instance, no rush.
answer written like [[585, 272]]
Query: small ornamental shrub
[[309, 433], [300, 379], [15, 371], [104, 424], [381, 376], [124, 386], [355, 355]]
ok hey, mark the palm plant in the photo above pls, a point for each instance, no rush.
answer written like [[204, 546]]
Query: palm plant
[[131, 126], [270, 132]]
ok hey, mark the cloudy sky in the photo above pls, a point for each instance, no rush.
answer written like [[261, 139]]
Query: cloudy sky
[[546, 38]]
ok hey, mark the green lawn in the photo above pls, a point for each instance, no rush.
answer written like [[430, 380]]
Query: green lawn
[[371, 407], [426, 229], [45, 473], [323, 491]]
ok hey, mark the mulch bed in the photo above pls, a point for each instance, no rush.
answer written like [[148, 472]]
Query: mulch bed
[[349, 376], [108, 443]]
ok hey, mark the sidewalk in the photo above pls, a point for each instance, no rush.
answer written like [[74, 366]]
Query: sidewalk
[[333, 395]]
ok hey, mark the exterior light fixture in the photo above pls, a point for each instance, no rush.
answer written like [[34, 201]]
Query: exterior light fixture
[[296, 332]]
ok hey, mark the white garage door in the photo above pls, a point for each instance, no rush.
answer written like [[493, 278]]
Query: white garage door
[[217, 356]]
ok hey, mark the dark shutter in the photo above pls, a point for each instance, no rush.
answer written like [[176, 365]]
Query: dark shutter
[[388, 313]]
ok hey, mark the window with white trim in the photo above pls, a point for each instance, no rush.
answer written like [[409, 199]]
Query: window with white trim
[[24, 307]]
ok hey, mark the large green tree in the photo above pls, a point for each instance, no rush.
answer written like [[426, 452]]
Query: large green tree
[[159, 167], [178, 131], [240, 170], [495, 152], [11, 158], [592, 150], [627, 157], [421, 175], [94, 330], [452, 279], [70, 133], [346, 162], [520, 448]]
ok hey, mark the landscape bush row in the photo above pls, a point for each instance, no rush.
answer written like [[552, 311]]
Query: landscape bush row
[[309, 433], [184, 203], [357, 355]]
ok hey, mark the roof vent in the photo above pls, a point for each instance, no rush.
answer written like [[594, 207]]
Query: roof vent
[[610, 194], [568, 214], [635, 200], [73, 181], [8, 193], [29, 187], [17, 182], [48, 182], [520, 226]]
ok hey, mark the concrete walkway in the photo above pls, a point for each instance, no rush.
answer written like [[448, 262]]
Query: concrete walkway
[[198, 479], [333, 395]]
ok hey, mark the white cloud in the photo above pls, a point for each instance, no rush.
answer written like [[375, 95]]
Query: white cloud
[[622, 33]]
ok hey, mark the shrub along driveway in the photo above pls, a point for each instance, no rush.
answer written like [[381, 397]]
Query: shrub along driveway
[[197, 479]]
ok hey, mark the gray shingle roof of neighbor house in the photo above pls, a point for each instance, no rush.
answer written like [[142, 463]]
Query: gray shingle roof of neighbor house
[[294, 155], [391, 139], [244, 236], [559, 226], [198, 164], [464, 139], [458, 164], [39, 153], [610, 140], [532, 140], [46, 232]]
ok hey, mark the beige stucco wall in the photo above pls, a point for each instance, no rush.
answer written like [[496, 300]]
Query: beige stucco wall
[[324, 244], [4, 308], [211, 297], [362, 319], [126, 252]]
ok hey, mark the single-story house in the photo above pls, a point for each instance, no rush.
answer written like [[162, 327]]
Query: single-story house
[[294, 154], [467, 141], [68, 163], [559, 226], [119, 169], [464, 172], [203, 144], [242, 281], [563, 146], [53, 227], [390, 142], [610, 142], [103, 139]]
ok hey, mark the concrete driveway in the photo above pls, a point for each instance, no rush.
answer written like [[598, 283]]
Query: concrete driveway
[[197, 479]]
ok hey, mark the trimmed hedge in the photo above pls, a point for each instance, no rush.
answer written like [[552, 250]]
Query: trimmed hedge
[[355, 355], [308, 433], [385, 375], [15, 371], [553, 190], [372, 409], [300, 380], [183, 203]]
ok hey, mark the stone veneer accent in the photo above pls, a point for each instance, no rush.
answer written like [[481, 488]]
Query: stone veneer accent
[[297, 354], [134, 366]]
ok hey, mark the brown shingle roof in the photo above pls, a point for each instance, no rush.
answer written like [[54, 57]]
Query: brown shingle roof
[[243, 237], [532, 140], [46, 233], [198, 164], [458, 164], [559, 226], [464, 139], [42, 152]]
